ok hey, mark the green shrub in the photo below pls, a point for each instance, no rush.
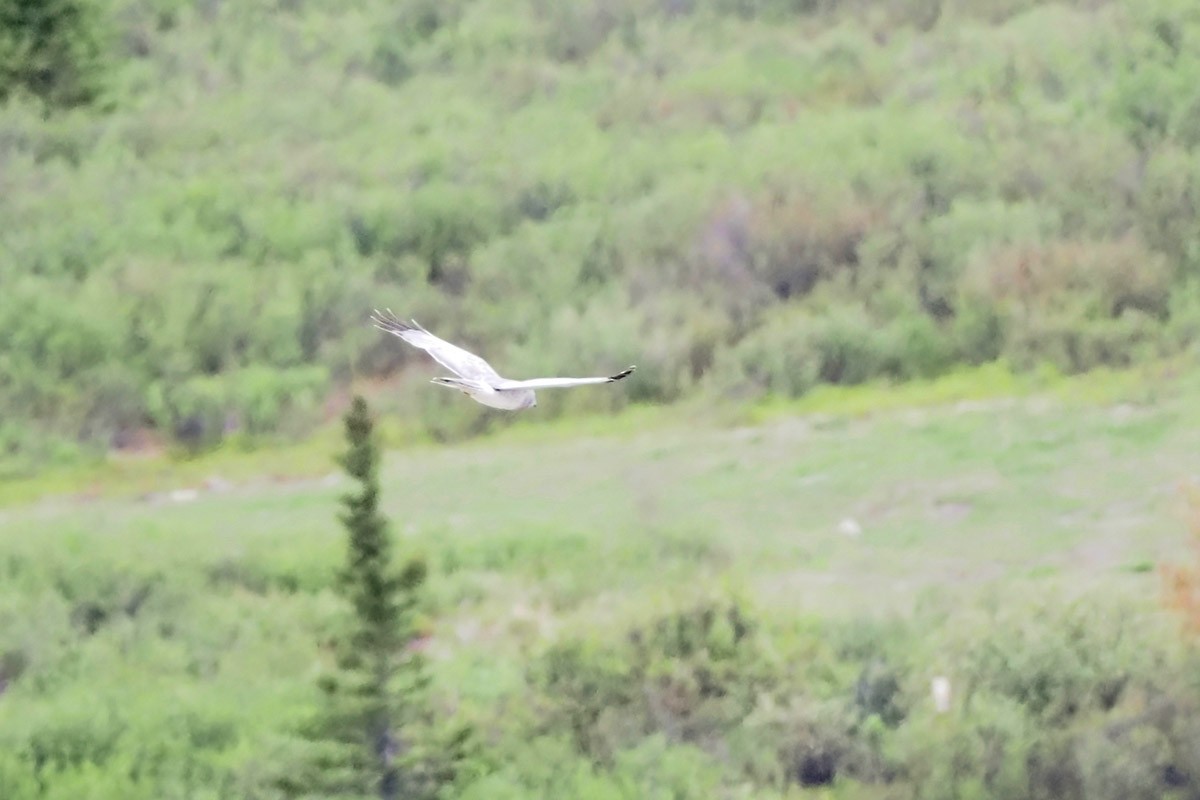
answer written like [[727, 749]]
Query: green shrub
[[1068, 665], [1076, 305], [53, 50], [687, 675], [805, 743], [587, 687], [795, 243], [986, 753], [1132, 765], [777, 358]]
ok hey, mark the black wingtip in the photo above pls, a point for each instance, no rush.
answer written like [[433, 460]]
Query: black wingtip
[[387, 321], [625, 373]]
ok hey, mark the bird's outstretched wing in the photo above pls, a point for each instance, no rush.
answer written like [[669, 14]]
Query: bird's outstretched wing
[[563, 383], [462, 363]]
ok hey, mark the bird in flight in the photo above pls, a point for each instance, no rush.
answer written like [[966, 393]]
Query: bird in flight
[[474, 376]]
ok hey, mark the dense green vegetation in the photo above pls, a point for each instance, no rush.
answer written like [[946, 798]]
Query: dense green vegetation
[[743, 588], [741, 197], [663, 612], [51, 49]]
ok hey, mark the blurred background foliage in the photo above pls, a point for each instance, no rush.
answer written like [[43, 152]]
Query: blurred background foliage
[[201, 201]]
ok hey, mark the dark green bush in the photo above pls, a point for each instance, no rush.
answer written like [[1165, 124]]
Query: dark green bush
[[985, 754], [1068, 665], [1076, 305], [687, 675], [52, 49]]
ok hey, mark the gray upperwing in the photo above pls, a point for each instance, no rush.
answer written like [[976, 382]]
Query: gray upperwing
[[563, 383], [463, 363]]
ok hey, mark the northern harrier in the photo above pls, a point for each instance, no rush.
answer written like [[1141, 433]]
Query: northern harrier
[[474, 376]]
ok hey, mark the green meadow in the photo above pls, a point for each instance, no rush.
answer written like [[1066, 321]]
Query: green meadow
[[792, 583]]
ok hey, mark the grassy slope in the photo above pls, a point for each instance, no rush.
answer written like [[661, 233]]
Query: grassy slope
[[590, 182], [531, 536]]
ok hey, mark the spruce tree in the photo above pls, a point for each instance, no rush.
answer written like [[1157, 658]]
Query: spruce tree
[[373, 737]]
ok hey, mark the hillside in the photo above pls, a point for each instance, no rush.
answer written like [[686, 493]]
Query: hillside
[[680, 611], [740, 196]]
